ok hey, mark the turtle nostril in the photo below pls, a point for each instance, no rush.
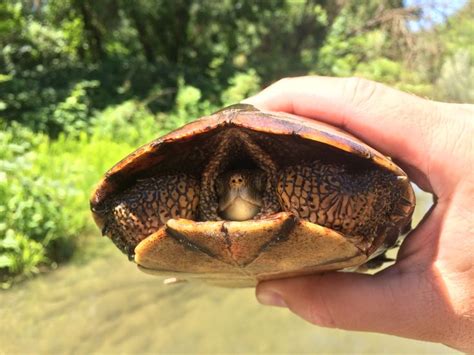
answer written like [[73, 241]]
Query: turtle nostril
[[236, 180]]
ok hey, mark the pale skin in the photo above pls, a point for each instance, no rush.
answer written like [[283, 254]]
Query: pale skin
[[428, 294]]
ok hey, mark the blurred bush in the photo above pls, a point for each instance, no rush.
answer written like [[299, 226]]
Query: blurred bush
[[61, 61], [456, 82], [242, 85], [33, 223], [19, 255]]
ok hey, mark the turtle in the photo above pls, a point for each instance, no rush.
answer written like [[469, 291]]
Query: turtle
[[246, 195]]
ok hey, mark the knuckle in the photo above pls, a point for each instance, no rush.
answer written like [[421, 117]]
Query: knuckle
[[359, 91], [321, 315], [320, 310], [283, 82]]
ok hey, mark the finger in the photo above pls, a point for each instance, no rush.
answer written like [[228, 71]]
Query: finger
[[399, 124], [353, 302]]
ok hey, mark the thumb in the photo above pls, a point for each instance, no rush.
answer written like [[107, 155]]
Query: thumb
[[377, 303]]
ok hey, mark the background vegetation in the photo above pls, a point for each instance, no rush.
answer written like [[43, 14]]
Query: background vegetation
[[84, 82]]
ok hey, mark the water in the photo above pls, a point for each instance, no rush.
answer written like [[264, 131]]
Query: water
[[105, 305]]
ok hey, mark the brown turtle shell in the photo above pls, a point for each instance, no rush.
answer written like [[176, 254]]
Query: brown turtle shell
[[235, 253]]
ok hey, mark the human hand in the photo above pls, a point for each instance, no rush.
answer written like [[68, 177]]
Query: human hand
[[428, 294]]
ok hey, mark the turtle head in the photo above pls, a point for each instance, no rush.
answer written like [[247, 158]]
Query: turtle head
[[239, 194]]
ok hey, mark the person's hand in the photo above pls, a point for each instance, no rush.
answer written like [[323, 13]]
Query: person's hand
[[428, 294]]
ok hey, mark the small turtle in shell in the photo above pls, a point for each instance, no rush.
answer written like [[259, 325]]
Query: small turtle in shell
[[245, 195]]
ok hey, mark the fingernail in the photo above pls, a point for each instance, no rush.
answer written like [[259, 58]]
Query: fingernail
[[270, 298]]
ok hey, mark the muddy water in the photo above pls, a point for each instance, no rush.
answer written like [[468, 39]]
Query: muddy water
[[105, 305]]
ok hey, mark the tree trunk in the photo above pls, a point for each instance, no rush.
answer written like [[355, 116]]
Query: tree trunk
[[138, 22], [94, 36]]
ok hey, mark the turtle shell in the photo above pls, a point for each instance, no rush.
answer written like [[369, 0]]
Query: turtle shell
[[284, 243]]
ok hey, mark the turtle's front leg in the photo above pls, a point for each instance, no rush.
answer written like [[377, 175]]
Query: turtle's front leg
[[141, 210], [342, 197]]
